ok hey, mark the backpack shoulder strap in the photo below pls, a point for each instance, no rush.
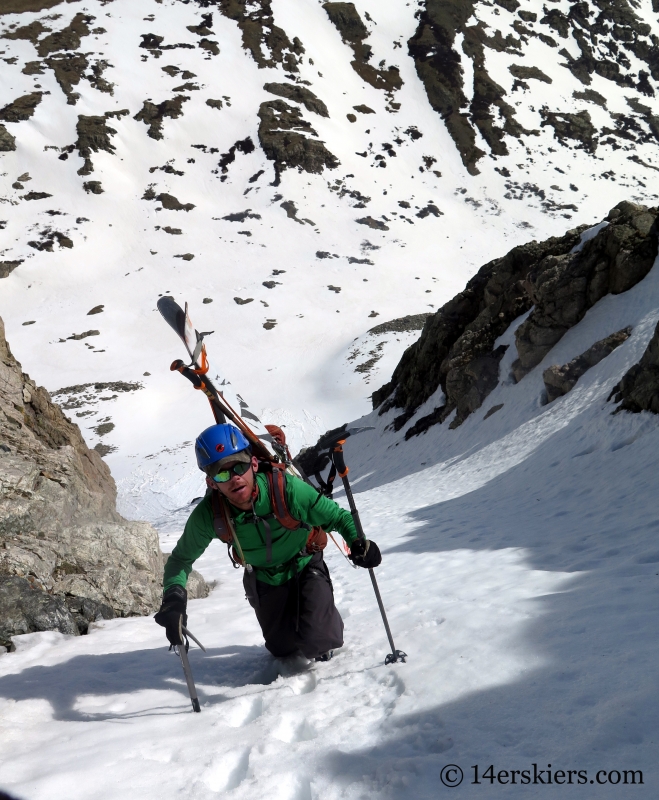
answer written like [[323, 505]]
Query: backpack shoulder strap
[[220, 522], [277, 485]]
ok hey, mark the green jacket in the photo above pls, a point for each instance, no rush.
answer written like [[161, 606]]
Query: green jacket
[[304, 503]]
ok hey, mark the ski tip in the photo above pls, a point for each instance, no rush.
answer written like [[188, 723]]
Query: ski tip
[[167, 302]]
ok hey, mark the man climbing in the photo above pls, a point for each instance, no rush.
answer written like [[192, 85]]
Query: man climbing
[[266, 518]]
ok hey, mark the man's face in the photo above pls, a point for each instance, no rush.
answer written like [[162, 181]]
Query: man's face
[[239, 489]]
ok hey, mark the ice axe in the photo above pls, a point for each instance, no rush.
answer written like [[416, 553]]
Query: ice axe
[[336, 455], [182, 652]]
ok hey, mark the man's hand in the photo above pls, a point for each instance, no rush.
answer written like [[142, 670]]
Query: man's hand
[[365, 553], [172, 614]]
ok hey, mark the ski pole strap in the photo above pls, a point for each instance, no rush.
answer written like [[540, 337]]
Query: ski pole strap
[[326, 487]]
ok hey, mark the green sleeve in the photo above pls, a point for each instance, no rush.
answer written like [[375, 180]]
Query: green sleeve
[[306, 504], [197, 535]]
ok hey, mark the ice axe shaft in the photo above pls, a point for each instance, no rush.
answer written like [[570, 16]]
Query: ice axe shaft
[[339, 462], [182, 653]]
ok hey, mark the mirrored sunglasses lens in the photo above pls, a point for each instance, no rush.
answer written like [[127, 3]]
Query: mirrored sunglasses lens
[[226, 474]]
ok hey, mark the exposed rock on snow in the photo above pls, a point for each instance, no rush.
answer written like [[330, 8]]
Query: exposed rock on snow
[[244, 146], [68, 67], [172, 203], [440, 67], [153, 114], [7, 141], [412, 322], [260, 33], [22, 108], [93, 187], [528, 73], [559, 380], [93, 135], [462, 334], [353, 32], [590, 96], [69, 38], [7, 267], [577, 127], [241, 216], [639, 388], [561, 278], [291, 212], [66, 553], [285, 137], [373, 223], [48, 239], [299, 94], [36, 195], [563, 287]]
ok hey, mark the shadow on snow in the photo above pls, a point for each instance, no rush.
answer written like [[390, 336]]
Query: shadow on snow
[[123, 673]]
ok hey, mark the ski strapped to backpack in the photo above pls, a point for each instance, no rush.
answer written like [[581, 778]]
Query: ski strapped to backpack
[[225, 531]]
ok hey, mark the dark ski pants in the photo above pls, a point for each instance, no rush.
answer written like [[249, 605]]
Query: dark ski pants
[[299, 615]]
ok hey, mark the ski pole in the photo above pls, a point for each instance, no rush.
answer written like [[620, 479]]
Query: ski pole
[[339, 461]]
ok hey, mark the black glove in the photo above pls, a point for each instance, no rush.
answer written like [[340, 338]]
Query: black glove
[[365, 553], [172, 614]]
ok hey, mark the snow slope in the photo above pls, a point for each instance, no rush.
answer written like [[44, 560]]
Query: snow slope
[[289, 348], [519, 576], [519, 551]]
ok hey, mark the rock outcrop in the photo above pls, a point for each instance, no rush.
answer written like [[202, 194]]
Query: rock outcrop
[[7, 141], [456, 348], [66, 556], [638, 389], [450, 34], [299, 94], [285, 137], [354, 33], [563, 287], [561, 278], [560, 380], [266, 41]]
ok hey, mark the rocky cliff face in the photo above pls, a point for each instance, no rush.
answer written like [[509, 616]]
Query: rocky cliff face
[[66, 556], [560, 279], [638, 389]]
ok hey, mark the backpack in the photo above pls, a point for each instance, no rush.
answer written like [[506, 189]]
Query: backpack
[[277, 477]]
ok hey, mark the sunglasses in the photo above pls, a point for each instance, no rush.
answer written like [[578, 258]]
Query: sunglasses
[[225, 475]]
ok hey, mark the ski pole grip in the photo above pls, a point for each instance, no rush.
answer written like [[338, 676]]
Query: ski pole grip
[[190, 374], [339, 460]]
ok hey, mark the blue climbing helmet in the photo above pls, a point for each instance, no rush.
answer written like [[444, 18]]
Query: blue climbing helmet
[[219, 443]]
